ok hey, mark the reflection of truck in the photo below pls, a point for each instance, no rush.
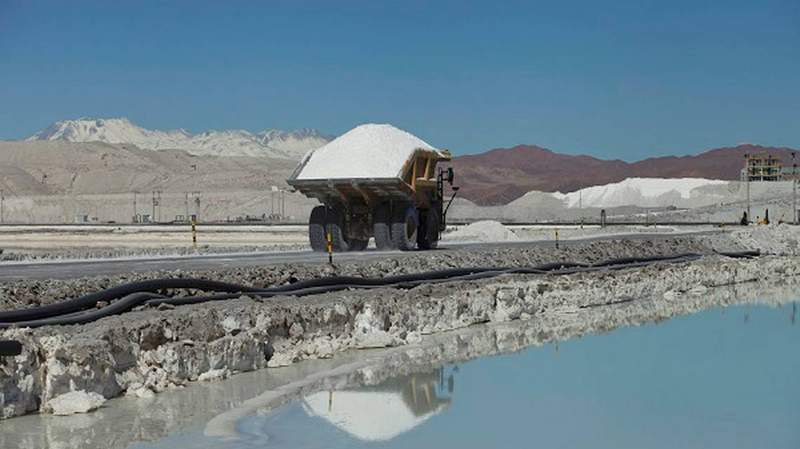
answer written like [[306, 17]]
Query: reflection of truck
[[375, 181]]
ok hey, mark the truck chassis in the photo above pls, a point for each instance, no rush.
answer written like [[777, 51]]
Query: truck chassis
[[404, 213]]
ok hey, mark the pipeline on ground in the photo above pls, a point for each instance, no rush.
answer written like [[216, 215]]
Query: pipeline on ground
[[126, 297], [10, 348]]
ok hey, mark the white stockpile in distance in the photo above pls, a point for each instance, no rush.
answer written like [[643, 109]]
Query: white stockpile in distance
[[482, 231], [645, 192], [366, 151]]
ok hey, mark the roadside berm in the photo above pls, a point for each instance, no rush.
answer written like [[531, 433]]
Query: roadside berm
[[150, 350]]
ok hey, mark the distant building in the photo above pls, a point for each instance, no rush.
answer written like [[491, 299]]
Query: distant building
[[762, 167]]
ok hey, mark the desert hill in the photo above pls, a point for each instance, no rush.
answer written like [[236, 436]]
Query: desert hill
[[502, 175], [58, 167]]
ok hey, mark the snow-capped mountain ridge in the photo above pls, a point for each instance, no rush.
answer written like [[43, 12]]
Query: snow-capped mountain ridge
[[273, 143]]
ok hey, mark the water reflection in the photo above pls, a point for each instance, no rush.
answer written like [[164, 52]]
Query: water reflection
[[385, 411], [707, 380], [241, 412]]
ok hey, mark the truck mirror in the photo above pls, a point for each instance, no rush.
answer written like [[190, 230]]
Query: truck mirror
[[450, 175]]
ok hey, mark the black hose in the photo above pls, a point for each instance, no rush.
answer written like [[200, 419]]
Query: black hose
[[9, 348], [740, 254], [127, 296], [124, 304], [91, 300], [411, 281]]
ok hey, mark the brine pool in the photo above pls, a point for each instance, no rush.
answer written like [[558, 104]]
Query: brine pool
[[722, 378]]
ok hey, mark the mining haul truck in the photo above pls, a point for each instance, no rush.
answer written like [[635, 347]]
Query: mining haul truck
[[375, 181]]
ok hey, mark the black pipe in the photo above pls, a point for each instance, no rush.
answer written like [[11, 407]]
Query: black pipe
[[337, 283], [124, 304], [74, 311], [91, 300], [9, 348], [740, 254]]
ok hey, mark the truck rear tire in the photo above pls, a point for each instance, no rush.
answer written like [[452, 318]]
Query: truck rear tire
[[336, 229], [323, 221], [382, 227], [358, 245], [316, 229], [405, 226]]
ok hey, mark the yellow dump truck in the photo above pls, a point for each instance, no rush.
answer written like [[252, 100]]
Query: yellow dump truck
[[375, 181]]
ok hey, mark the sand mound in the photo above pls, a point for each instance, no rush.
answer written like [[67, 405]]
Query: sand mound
[[483, 231]]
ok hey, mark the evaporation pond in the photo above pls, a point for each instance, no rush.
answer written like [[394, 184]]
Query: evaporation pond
[[723, 378]]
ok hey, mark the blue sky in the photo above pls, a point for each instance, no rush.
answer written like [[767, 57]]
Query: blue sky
[[613, 79]]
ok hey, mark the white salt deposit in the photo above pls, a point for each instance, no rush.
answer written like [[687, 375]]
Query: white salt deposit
[[781, 239], [483, 231], [214, 375], [75, 402], [647, 192], [367, 151]]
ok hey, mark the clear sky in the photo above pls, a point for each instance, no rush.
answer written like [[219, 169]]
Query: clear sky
[[618, 79]]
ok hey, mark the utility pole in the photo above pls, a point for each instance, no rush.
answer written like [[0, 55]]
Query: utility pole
[[196, 205], [2, 200], [155, 203], [186, 205], [272, 200], [134, 208], [794, 189], [156, 206], [747, 180], [283, 204]]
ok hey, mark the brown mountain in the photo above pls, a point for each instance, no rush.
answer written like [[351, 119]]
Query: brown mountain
[[502, 175]]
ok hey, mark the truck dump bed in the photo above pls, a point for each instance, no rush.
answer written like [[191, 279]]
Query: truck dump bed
[[368, 163]]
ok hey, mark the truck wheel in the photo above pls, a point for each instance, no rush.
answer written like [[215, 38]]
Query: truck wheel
[[429, 234], [381, 227], [336, 228], [323, 221], [358, 245], [405, 227], [316, 229]]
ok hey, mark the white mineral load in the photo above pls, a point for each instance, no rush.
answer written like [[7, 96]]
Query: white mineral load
[[366, 151]]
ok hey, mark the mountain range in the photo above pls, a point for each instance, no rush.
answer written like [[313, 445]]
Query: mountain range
[[502, 175], [72, 168], [271, 143], [497, 176]]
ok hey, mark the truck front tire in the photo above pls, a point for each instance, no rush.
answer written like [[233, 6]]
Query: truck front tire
[[405, 226], [428, 235]]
